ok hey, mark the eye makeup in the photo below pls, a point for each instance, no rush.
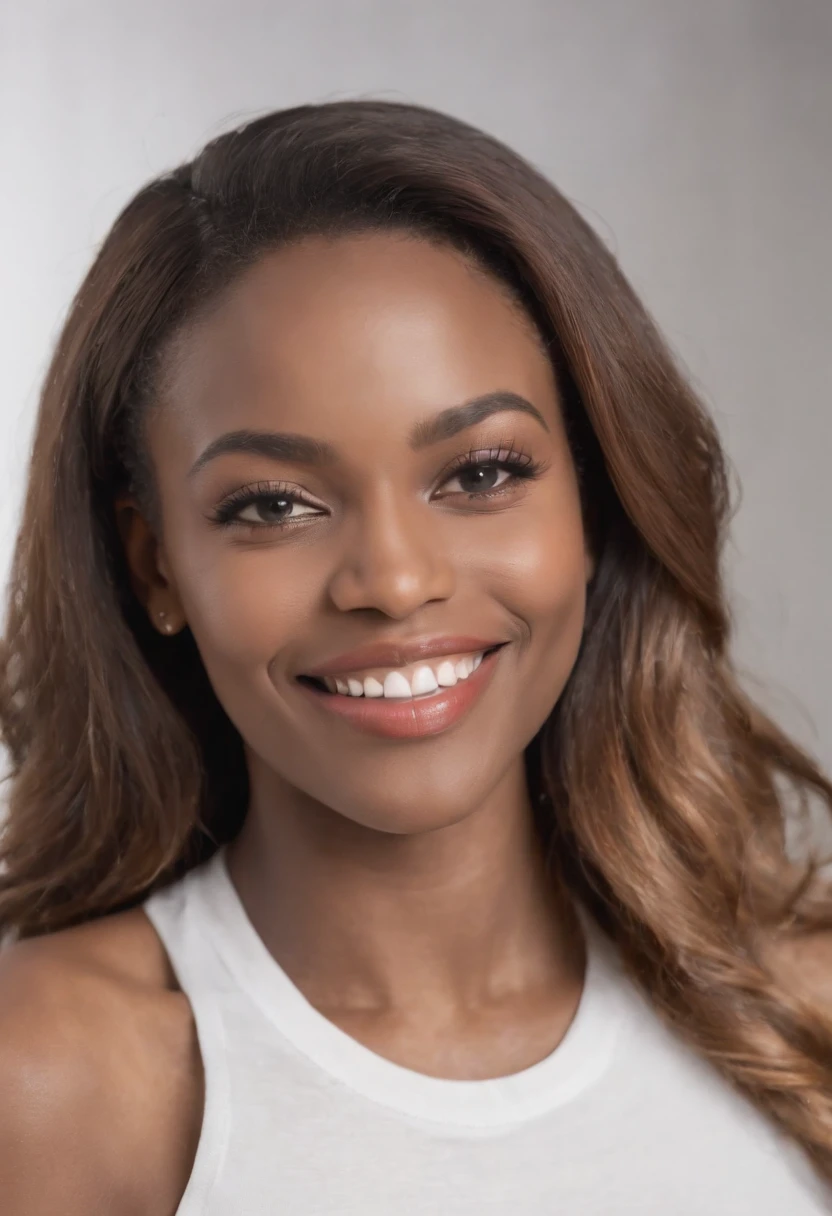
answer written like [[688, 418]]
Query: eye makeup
[[482, 473]]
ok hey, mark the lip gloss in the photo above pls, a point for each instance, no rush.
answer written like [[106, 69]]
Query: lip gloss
[[409, 718]]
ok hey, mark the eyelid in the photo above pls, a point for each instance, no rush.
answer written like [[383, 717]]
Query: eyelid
[[263, 489], [520, 466], [500, 450], [504, 453], [237, 500]]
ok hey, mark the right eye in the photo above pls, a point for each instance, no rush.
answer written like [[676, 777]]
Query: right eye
[[265, 506]]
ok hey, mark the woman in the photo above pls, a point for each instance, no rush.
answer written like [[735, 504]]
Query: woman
[[387, 830]]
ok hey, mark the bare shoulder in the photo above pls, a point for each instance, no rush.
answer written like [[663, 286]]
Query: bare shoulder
[[99, 1072]]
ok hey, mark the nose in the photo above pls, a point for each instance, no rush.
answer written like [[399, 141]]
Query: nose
[[393, 560]]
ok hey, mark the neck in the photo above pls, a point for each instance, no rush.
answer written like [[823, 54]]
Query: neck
[[367, 920]]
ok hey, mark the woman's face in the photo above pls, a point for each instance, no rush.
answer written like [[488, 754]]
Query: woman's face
[[366, 488]]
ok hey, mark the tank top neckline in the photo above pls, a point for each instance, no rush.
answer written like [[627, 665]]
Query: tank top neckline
[[579, 1060]]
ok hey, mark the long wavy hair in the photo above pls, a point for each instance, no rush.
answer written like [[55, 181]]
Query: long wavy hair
[[666, 797]]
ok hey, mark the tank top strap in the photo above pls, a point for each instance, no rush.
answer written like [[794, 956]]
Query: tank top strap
[[199, 973]]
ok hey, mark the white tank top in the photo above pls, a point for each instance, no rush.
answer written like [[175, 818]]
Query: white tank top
[[302, 1120]]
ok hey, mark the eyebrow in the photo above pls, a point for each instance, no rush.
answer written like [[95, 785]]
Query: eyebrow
[[300, 449], [456, 418], [296, 449]]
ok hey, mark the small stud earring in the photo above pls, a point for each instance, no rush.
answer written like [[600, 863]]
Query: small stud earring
[[166, 625]]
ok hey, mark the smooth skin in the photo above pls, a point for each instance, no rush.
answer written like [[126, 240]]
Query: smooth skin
[[397, 882]]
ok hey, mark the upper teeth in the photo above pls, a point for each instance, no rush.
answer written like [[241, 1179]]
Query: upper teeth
[[402, 684]]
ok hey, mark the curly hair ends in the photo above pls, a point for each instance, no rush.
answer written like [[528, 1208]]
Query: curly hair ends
[[668, 793]]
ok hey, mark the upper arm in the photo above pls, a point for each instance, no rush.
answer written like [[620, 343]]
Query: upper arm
[[50, 1134], [48, 1139], [100, 1093]]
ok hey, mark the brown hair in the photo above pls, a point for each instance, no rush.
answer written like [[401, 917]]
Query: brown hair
[[665, 794]]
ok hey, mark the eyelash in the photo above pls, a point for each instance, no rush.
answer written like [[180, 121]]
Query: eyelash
[[521, 467]]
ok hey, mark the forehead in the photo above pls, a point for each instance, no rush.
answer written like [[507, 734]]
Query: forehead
[[329, 334]]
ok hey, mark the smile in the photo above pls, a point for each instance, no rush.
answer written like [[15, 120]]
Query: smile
[[422, 698], [404, 683]]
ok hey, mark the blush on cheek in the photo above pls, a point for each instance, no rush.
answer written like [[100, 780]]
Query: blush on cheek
[[542, 583], [248, 605], [541, 572]]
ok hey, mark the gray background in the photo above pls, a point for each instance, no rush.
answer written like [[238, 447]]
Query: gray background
[[695, 136]]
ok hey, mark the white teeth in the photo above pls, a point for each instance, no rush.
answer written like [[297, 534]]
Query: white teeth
[[446, 675], [396, 685], [424, 681]]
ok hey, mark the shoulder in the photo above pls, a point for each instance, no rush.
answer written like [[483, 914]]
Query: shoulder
[[99, 1071]]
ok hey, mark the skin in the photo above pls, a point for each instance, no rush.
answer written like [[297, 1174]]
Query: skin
[[377, 847], [397, 882]]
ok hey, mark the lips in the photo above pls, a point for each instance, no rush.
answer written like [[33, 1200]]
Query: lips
[[402, 683], [407, 691]]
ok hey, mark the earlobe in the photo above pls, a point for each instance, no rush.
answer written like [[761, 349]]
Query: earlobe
[[165, 625]]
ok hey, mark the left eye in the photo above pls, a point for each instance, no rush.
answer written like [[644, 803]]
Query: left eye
[[477, 479]]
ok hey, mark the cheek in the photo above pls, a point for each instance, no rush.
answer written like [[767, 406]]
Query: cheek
[[248, 606], [537, 560], [244, 605], [537, 568]]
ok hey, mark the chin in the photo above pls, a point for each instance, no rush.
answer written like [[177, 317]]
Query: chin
[[410, 819], [426, 807]]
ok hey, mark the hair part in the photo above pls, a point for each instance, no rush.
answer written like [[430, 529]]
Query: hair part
[[667, 791]]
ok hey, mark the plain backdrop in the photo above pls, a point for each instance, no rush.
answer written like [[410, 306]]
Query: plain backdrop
[[695, 135]]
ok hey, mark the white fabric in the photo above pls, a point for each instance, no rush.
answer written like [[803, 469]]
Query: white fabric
[[302, 1120]]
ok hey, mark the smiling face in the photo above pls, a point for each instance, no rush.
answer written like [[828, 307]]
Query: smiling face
[[370, 522]]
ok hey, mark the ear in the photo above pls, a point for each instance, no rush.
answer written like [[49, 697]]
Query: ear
[[150, 576], [589, 563]]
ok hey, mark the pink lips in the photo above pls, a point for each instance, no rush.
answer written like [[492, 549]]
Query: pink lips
[[407, 719]]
